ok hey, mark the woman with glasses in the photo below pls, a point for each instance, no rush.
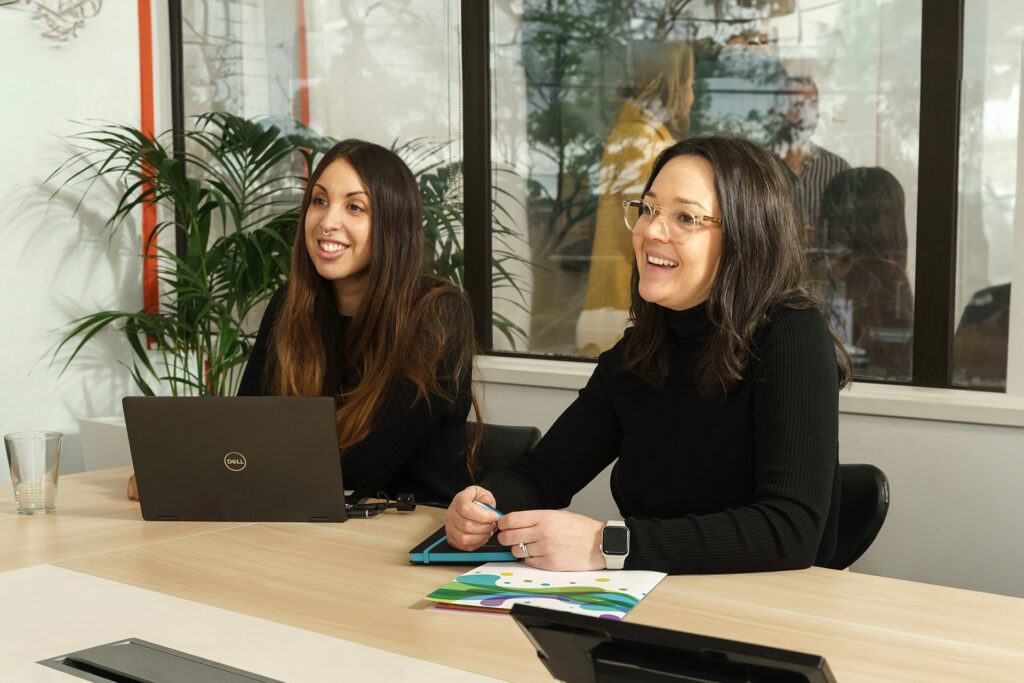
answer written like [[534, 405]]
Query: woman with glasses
[[359, 322], [718, 408]]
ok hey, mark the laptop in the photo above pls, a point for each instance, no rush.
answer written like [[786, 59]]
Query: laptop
[[236, 459]]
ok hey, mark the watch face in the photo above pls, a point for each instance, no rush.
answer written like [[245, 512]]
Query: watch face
[[615, 540]]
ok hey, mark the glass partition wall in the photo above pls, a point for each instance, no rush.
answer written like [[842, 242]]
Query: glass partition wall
[[583, 94], [588, 92], [988, 212]]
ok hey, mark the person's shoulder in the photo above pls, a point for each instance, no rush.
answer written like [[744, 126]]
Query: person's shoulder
[[791, 326], [439, 300], [611, 360], [275, 303], [278, 297], [832, 159], [801, 315], [444, 296], [797, 343]]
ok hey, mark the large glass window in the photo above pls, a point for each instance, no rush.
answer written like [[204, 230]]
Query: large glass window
[[589, 91], [388, 71], [585, 93], [989, 125]]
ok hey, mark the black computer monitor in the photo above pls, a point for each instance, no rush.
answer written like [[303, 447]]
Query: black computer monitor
[[577, 648]]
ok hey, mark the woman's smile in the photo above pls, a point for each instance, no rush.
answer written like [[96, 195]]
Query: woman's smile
[[331, 249], [677, 272], [660, 262]]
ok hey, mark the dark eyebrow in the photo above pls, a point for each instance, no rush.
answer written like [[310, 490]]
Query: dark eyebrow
[[680, 200], [350, 194]]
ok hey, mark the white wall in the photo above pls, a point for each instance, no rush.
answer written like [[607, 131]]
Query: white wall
[[56, 266], [955, 515]]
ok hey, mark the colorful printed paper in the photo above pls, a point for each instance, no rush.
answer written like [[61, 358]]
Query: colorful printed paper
[[496, 586]]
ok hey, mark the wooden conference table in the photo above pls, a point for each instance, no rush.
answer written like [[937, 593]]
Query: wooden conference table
[[352, 581]]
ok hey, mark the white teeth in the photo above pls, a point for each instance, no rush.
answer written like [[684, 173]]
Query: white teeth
[[332, 246], [660, 261]]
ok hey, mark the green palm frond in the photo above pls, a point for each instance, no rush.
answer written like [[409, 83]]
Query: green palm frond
[[234, 194], [439, 183]]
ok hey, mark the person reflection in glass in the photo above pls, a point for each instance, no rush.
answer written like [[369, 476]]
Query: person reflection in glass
[[807, 166], [869, 297], [655, 113]]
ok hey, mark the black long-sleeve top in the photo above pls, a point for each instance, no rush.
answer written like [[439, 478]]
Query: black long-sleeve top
[[415, 446], [705, 485]]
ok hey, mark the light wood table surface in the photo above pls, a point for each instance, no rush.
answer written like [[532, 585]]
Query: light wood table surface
[[353, 581], [93, 516]]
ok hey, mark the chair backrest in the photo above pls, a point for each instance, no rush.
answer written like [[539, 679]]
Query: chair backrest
[[863, 504], [501, 444]]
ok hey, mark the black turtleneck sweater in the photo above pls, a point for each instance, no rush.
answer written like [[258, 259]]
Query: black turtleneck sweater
[[706, 485], [415, 446]]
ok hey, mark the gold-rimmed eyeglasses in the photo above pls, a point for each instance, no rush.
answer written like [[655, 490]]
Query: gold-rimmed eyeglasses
[[681, 223]]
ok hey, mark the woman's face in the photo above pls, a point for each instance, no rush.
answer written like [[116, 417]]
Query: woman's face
[[672, 274], [339, 226]]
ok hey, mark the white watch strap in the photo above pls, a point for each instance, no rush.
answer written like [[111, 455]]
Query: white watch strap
[[616, 561]]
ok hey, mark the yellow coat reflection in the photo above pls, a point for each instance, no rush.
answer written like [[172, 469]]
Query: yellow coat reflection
[[638, 136]]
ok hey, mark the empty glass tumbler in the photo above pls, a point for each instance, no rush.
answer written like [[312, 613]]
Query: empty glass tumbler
[[34, 458]]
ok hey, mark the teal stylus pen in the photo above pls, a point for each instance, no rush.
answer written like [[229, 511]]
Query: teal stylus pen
[[485, 505]]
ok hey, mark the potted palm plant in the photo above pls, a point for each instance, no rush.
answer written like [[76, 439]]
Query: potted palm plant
[[236, 206]]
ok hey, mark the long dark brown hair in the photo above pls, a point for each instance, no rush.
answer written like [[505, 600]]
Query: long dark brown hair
[[862, 210], [406, 325], [762, 269]]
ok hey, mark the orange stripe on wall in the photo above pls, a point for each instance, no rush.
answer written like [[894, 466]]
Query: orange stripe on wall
[[303, 68], [150, 283]]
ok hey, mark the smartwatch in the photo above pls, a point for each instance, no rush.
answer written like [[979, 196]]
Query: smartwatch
[[615, 544]]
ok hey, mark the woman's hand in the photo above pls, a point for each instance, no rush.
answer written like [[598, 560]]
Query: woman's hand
[[553, 539], [133, 489], [468, 525]]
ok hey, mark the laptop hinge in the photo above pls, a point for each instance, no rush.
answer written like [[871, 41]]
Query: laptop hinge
[[319, 519], [167, 518]]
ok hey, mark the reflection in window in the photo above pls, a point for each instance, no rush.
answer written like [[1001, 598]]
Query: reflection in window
[[989, 129], [862, 266], [588, 92]]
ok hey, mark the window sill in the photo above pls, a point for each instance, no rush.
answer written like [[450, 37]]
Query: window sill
[[919, 403]]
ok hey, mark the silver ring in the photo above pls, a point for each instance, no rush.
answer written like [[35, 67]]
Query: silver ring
[[526, 553], [324, 233]]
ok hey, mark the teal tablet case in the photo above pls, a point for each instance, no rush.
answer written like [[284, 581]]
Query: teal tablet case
[[435, 548]]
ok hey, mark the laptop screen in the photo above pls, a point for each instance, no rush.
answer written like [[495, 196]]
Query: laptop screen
[[242, 459]]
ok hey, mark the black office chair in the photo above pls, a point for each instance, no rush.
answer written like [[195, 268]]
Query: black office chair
[[863, 504], [500, 445]]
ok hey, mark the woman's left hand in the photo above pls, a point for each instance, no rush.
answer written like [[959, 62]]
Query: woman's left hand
[[553, 539]]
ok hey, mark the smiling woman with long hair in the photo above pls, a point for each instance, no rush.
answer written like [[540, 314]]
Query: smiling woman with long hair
[[719, 407], [359, 321]]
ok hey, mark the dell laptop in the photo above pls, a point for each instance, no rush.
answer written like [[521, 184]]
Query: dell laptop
[[238, 459]]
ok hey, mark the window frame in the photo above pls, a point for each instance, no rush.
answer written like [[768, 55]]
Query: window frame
[[942, 35]]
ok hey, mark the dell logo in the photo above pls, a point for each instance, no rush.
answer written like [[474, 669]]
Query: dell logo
[[234, 461]]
